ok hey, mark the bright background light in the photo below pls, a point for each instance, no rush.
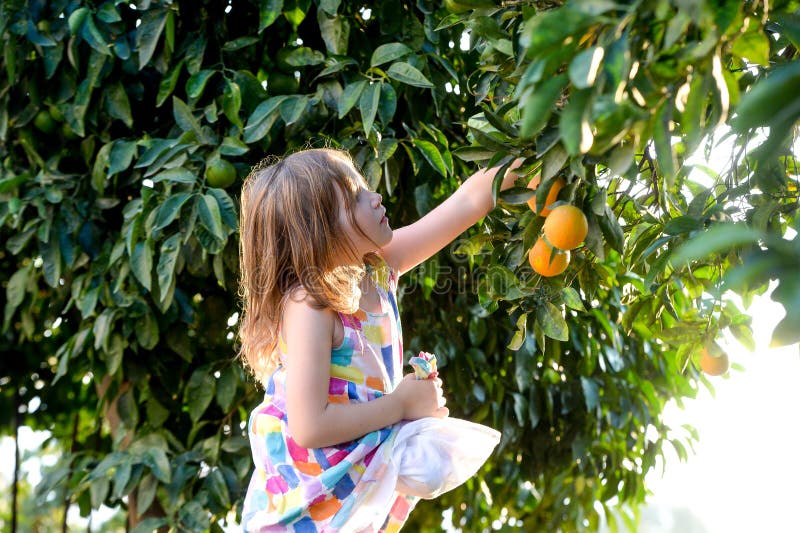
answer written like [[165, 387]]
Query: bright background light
[[744, 475]]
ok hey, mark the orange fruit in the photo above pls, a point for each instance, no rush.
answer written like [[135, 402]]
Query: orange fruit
[[552, 194], [714, 366], [546, 261], [566, 227]]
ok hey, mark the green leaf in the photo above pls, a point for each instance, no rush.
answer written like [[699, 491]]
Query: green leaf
[[121, 156], [51, 257], [773, 98], [146, 493], [142, 262], [612, 231], [293, 108], [157, 414], [520, 409], [547, 30], [551, 320], [304, 56], [744, 334], [197, 83], [147, 331], [572, 299], [718, 238], [118, 104], [269, 11], [128, 411], [76, 20], [101, 161], [217, 488], [790, 25], [330, 7], [683, 224], [590, 393], [662, 139], [227, 208], [232, 102], [335, 31], [239, 43], [752, 45], [102, 328], [121, 478], [350, 95], [584, 67], [388, 103], [199, 392], [473, 153], [537, 104], [405, 73], [184, 117], [262, 118], [388, 52], [98, 490], [368, 104], [148, 33], [210, 217], [226, 387], [432, 155], [15, 293], [156, 459], [175, 175], [553, 161], [573, 126], [91, 34], [168, 83], [167, 260], [787, 331], [168, 211], [233, 146]]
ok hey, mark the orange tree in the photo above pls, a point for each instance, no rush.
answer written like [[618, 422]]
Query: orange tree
[[120, 124]]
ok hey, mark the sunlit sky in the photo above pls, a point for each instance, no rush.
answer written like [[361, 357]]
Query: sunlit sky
[[744, 475]]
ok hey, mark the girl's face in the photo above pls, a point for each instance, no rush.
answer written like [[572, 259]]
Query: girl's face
[[370, 215]]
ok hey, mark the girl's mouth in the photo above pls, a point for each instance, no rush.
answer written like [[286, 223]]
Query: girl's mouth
[[384, 220]]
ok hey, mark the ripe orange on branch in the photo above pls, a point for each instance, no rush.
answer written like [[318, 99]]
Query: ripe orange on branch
[[546, 261], [714, 366], [552, 194], [566, 227]]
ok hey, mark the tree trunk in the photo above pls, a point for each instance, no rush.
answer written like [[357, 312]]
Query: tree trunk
[[15, 489], [73, 449]]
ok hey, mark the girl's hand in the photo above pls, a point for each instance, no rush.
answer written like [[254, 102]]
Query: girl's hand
[[421, 397]]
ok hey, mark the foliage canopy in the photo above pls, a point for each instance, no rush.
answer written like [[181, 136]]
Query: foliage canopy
[[119, 257]]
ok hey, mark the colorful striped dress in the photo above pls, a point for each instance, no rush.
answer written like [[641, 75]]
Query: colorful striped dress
[[341, 488]]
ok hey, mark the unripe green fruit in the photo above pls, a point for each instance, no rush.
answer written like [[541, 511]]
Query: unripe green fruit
[[220, 173], [44, 122]]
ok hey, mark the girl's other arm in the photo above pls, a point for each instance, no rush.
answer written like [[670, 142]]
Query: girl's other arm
[[413, 244], [313, 421]]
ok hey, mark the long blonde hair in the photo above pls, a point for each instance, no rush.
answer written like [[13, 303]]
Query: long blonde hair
[[291, 238]]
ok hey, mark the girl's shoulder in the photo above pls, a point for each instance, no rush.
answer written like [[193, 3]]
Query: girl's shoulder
[[303, 315]]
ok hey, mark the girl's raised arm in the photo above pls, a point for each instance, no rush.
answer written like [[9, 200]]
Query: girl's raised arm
[[413, 244], [313, 421]]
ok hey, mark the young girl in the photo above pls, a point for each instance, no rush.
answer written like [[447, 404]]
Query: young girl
[[332, 443]]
